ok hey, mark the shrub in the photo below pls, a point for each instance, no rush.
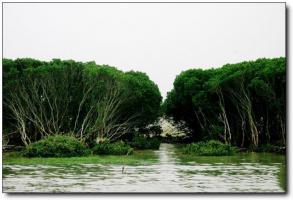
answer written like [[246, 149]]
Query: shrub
[[117, 148], [141, 142], [56, 146], [210, 148], [271, 148]]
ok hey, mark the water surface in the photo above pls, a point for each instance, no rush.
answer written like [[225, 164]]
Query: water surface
[[250, 172]]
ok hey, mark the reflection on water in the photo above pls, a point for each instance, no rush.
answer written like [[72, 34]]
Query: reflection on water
[[168, 175]]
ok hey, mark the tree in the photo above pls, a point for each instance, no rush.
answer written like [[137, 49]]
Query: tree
[[91, 102], [242, 104]]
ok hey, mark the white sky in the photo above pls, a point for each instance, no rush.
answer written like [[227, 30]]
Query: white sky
[[159, 39]]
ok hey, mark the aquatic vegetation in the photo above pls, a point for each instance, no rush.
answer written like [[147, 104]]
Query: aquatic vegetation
[[136, 158], [210, 148], [116, 148], [56, 146], [141, 142]]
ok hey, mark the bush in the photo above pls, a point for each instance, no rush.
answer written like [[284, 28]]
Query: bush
[[141, 142], [117, 148], [56, 146], [210, 148], [271, 148]]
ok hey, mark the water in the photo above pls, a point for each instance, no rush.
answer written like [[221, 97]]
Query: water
[[241, 173]]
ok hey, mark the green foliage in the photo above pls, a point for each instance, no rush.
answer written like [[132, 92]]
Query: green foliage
[[66, 92], [141, 157], [210, 148], [117, 148], [143, 95], [56, 146], [271, 148], [141, 142], [245, 99]]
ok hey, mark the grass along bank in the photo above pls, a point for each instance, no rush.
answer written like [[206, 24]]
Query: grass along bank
[[137, 158], [237, 158], [209, 148]]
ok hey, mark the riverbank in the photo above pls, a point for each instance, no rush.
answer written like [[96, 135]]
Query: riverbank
[[243, 174], [240, 156], [137, 158]]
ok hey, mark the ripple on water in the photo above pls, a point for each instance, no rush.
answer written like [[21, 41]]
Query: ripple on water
[[168, 175]]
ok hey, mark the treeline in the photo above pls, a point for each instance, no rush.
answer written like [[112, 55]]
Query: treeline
[[90, 102], [240, 104]]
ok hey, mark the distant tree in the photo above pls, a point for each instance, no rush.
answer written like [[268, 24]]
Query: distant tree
[[91, 102], [242, 104]]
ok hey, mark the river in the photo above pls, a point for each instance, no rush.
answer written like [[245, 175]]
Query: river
[[245, 173]]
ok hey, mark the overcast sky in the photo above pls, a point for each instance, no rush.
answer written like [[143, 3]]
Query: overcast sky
[[158, 39]]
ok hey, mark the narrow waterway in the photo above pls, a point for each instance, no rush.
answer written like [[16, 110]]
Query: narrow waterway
[[168, 175]]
